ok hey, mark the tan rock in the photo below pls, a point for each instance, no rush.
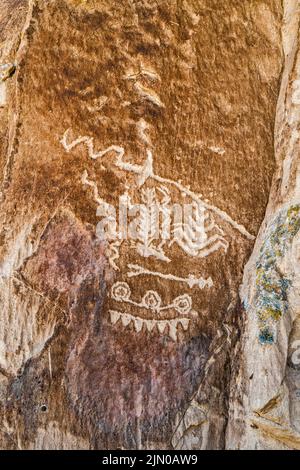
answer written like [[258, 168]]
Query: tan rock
[[145, 109]]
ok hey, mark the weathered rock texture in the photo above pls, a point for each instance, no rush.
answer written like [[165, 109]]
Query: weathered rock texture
[[146, 343], [265, 398]]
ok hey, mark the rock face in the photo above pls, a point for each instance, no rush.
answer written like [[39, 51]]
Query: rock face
[[140, 144], [265, 403]]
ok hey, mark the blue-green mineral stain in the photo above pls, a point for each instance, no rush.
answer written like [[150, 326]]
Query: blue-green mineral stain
[[271, 286], [266, 336]]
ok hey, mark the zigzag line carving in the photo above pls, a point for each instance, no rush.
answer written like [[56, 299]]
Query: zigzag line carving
[[145, 171], [138, 322]]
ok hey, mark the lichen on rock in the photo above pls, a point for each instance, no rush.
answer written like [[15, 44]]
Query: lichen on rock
[[271, 297]]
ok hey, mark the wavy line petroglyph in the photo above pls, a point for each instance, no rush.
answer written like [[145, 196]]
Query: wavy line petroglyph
[[89, 142], [120, 292], [92, 184]]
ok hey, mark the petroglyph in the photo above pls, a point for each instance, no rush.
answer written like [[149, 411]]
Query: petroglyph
[[145, 171], [195, 231], [197, 236], [149, 75], [162, 326], [158, 226], [120, 292], [89, 142], [147, 226], [92, 184], [151, 301], [191, 280], [193, 237]]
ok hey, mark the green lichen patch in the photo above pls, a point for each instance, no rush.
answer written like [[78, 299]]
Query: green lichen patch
[[271, 286]]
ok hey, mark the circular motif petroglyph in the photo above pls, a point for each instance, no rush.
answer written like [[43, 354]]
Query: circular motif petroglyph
[[120, 291], [183, 304], [151, 300]]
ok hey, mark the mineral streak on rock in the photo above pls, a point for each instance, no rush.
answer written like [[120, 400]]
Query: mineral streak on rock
[[144, 343]]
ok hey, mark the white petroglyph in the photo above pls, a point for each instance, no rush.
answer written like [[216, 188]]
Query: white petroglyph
[[191, 280], [113, 254], [89, 142], [85, 180], [145, 171], [194, 237], [147, 227], [120, 292], [197, 236], [163, 326]]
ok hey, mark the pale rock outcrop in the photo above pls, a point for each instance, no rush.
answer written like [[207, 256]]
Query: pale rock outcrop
[[265, 400]]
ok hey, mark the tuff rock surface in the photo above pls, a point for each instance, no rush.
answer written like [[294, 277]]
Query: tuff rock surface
[[181, 342]]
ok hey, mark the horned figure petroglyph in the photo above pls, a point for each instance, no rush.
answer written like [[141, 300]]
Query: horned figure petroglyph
[[198, 237]]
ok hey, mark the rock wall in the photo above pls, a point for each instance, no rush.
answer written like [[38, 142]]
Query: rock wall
[[114, 112], [265, 406]]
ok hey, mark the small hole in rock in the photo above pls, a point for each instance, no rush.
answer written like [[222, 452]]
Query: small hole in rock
[[44, 408]]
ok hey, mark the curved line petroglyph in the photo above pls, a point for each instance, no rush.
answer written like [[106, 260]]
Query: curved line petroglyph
[[120, 292], [147, 94]]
